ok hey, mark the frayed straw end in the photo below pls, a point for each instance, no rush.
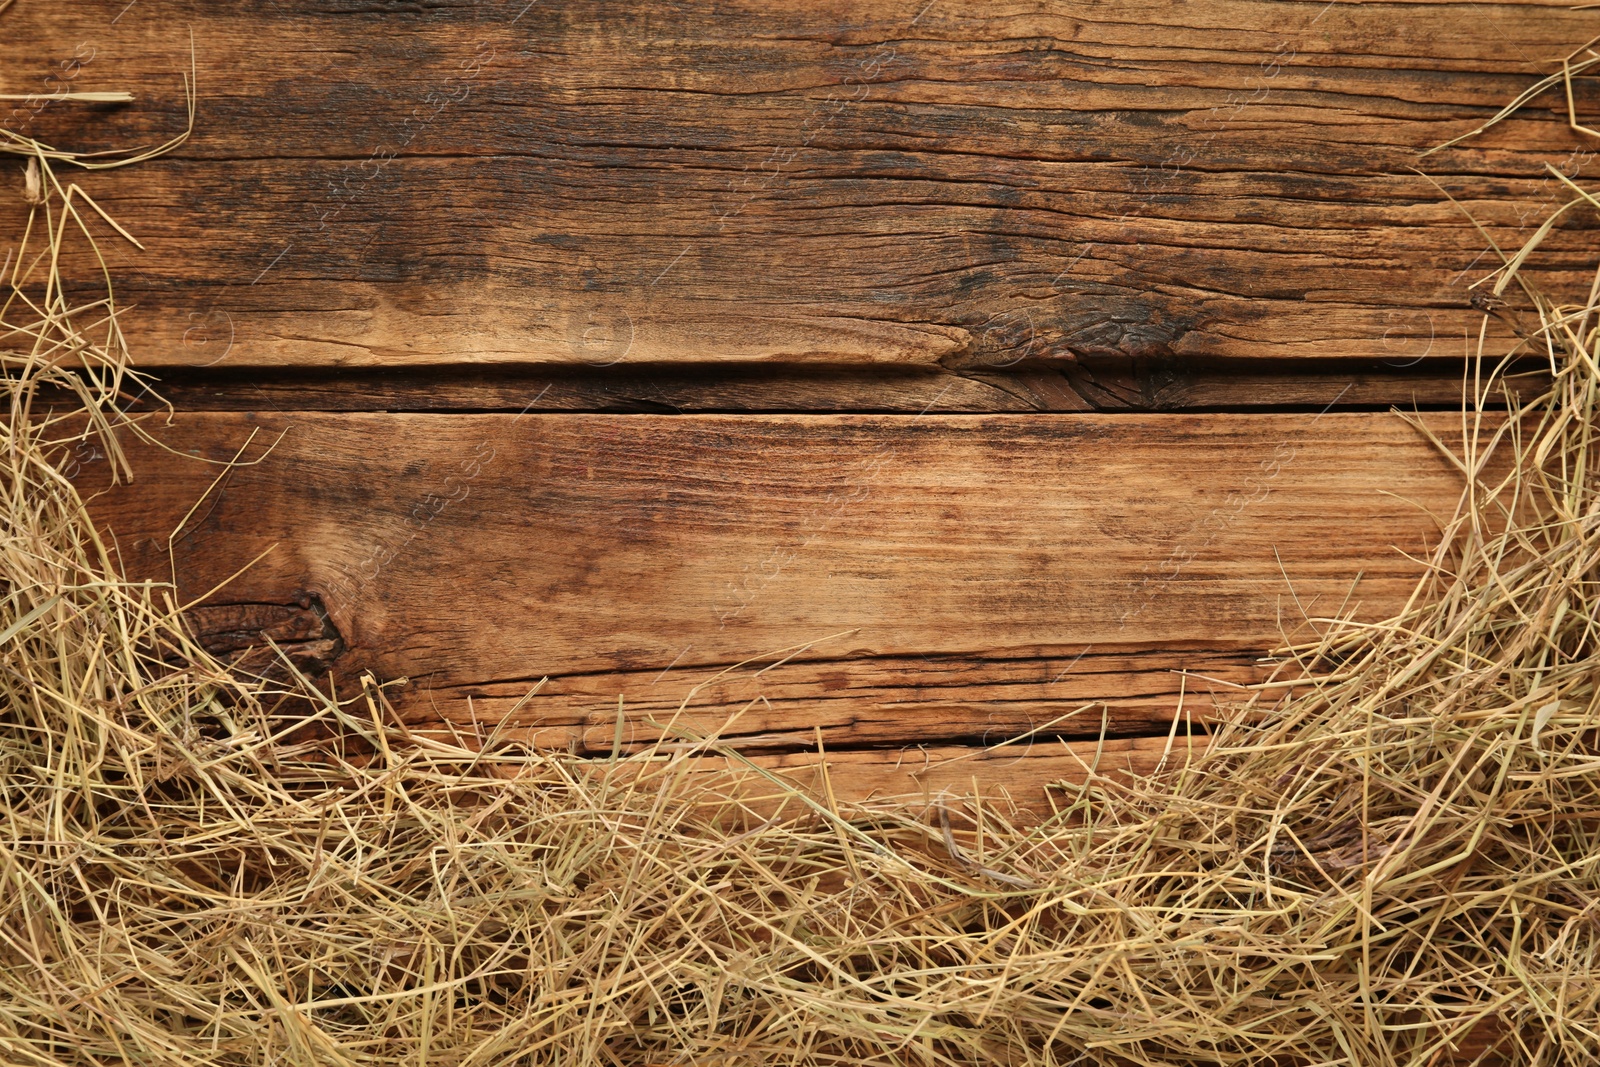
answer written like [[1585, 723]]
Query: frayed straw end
[[33, 184]]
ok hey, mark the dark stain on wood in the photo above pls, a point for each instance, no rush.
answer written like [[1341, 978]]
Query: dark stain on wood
[[949, 186]]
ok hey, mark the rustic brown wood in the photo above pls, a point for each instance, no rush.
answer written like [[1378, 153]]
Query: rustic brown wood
[[933, 775], [1130, 385], [1021, 783], [979, 700], [932, 185], [256, 638], [1235, 385], [653, 390], [959, 578]]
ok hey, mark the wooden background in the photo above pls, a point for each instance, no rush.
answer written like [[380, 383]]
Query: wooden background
[[991, 362]]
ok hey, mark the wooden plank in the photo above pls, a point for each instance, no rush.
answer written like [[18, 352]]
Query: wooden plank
[[931, 775], [1023, 782], [955, 578], [939, 185], [976, 699]]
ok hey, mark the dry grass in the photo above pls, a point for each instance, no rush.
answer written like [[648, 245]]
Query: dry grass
[[1395, 862]]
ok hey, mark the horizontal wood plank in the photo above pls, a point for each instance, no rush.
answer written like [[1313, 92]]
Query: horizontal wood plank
[[935, 186], [1023, 779], [1025, 782], [927, 580], [976, 699]]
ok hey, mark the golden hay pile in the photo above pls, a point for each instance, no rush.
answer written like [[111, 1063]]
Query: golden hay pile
[[1399, 861]]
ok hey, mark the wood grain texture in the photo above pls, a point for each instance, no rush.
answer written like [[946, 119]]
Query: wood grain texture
[[1126, 385], [943, 186], [976, 699], [959, 578], [931, 775]]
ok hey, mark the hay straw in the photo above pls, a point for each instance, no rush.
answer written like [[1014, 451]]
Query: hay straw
[[1572, 66], [1395, 863], [13, 143]]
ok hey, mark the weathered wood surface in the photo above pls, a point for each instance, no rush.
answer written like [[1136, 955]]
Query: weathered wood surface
[[1131, 385], [932, 775], [976, 698], [957, 579], [934, 185]]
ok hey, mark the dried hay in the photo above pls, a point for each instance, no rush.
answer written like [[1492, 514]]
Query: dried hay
[[1396, 865]]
